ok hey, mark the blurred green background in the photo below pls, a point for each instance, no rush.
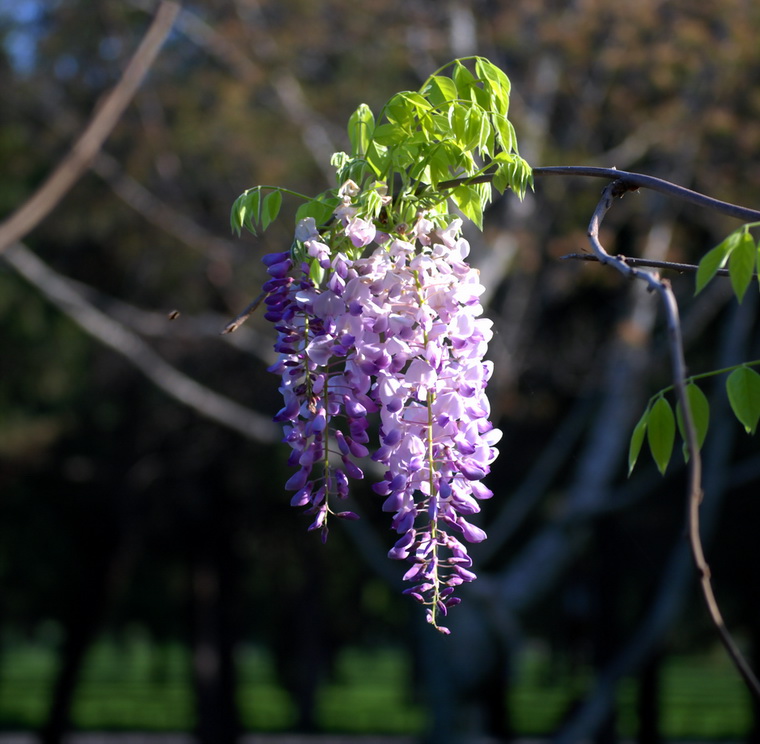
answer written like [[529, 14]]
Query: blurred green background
[[153, 575]]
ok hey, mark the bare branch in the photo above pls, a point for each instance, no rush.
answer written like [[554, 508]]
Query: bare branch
[[208, 403], [153, 323], [663, 288], [76, 161], [626, 181], [677, 570]]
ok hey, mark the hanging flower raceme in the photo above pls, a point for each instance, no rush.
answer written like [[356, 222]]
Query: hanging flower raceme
[[380, 329], [396, 331]]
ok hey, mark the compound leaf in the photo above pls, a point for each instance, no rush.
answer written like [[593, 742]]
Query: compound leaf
[[270, 208]]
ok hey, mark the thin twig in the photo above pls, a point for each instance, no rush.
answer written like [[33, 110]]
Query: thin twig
[[234, 324], [645, 262], [77, 160], [675, 343]]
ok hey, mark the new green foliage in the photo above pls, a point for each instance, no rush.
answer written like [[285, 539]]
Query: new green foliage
[[449, 143], [254, 210], [741, 254], [361, 126], [742, 389]]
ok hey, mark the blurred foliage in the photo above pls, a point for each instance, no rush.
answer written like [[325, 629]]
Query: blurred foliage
[[130, 681]]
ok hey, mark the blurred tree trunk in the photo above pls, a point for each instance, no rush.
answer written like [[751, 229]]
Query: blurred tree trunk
[[753, 614], [754, 735], [81, 628], [115, 544], [605, 636], [302, 648], [81, 625], [213, 591], [648, 704], [213, 659]]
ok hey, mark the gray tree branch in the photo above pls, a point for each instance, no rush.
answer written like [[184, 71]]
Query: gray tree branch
[[662, 287], [678, 571], [627, 181], [70, 300], [77, 160]]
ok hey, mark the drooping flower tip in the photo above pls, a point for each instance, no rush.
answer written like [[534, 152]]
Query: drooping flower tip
[[351, 516], [431, 618]]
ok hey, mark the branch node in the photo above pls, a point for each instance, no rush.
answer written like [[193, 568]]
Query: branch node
[[622, 186]]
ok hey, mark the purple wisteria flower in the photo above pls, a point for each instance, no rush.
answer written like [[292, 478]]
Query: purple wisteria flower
[[396, 331]]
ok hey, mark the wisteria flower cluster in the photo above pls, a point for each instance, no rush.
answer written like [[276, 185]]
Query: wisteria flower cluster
[[395, 332], [380, 329]]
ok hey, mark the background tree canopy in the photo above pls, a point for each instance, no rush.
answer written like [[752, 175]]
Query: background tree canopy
[[123, 507]]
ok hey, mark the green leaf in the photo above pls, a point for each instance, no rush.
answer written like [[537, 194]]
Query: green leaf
[[397, 111], [504, 176], [505, 133], [437, 166], [469, 88], [524, 177], [321, 209], [700, 416], [496, 82], [388, 135], [743, 388], [457, 117], [468, 200], [741, 265], [715, 259], [270, 208], [637, 439], [236, 218], [661, 433], [405, 109], [316, 272], [463, 79], [246, 211], [416, 102], [440, 90], [361, 125], [476, 129], [378, 157], [511, 172]]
